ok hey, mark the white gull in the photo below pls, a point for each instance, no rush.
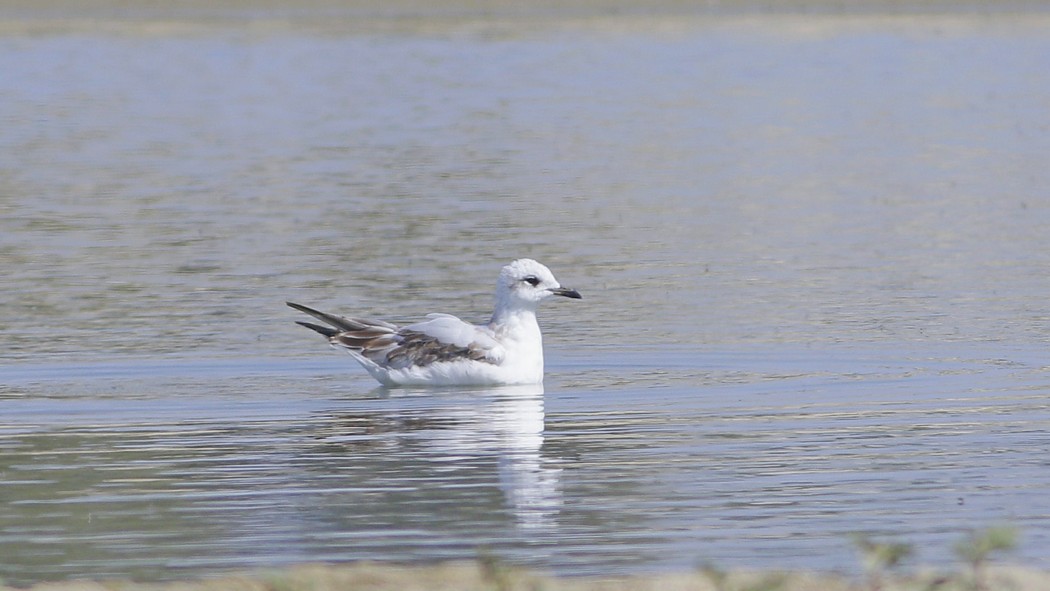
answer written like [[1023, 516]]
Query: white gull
[[446, 351]]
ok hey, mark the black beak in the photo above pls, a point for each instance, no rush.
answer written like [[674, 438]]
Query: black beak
[[569, 293]]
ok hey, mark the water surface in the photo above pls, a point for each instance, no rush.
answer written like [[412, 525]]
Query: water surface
[[813, 251]]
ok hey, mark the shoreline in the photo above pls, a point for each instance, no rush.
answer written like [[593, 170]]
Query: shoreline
[[309, 11], [145, 18], [486, 575]]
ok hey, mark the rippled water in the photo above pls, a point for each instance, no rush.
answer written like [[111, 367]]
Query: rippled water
[[814, 254]]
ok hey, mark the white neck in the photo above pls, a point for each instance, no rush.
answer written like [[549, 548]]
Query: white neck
[[519, 333]]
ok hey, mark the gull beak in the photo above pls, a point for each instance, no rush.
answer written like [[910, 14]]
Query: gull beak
[[565, 291]]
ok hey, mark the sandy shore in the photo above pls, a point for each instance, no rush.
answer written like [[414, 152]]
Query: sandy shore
[[497, 7], [480, 576], [503, 18], [806, 17], [312, 10]]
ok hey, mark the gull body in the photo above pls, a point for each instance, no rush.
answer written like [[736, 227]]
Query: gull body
[[446, 351]]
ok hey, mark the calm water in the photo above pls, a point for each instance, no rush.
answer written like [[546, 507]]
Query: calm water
[[815, 256]]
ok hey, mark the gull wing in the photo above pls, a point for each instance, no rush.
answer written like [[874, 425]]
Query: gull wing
[[441, 337]]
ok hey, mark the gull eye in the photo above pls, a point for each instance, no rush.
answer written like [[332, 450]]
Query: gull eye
[[532, 280]]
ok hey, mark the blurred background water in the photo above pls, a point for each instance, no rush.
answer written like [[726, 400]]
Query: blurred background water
[[814, 250]]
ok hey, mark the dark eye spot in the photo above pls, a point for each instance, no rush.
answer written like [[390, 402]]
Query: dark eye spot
[[532, 280]]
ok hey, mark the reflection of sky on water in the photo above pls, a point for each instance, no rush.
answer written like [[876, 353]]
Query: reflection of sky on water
[[640, 462], [836, 222], [796, 180]]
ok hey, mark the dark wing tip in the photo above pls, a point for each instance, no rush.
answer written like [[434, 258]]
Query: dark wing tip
[[299, 307], [324, 330]]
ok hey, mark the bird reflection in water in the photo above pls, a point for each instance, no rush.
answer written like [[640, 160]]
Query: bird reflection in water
[[444, 444], [531, 488]]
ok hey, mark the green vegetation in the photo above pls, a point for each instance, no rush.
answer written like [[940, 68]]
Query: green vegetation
[[881, 558], [721, 580], [978, 547]]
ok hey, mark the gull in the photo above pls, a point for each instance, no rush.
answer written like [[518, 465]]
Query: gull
[[446, 351]]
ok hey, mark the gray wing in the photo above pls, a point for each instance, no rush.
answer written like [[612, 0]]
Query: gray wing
[[439, 338]]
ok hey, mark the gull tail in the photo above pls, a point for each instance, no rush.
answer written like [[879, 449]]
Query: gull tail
[[369, 341]]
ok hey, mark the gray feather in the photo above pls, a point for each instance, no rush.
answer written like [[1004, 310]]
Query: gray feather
[[387, 344]]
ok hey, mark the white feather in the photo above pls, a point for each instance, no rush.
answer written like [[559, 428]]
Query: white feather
[[451, 352]]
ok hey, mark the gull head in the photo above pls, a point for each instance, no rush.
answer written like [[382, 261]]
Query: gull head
[[526, 283]]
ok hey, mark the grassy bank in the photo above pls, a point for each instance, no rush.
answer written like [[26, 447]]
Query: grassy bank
[[486, 576], [881, 560]]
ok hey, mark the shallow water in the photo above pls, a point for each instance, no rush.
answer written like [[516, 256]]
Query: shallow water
[[814, 254]]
